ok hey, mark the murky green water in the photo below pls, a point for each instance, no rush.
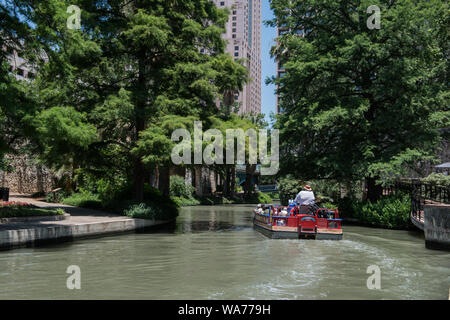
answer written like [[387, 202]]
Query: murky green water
[[214, 253]]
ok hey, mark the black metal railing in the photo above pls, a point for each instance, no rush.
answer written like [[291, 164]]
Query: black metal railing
[[420, 193]]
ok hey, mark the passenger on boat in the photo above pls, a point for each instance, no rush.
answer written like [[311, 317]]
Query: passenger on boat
[[306, 201], [259, 209], [305, 197]]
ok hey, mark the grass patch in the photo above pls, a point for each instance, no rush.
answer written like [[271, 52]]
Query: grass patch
[[17, 212]]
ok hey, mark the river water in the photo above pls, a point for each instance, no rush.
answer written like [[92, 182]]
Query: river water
[[214, 253]]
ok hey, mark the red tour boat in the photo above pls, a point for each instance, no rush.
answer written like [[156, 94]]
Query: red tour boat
[[294, 222]]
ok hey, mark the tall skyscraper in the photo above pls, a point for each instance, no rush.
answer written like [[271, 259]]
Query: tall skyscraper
[[243, 34]]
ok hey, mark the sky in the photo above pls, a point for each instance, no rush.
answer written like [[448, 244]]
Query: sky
[[268, 68]]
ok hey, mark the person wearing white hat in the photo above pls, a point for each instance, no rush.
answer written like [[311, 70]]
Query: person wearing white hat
[[305, 197]]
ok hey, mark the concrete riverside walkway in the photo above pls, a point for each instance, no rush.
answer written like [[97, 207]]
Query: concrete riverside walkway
[[81, 223]]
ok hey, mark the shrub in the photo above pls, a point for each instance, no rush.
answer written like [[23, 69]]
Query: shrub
[[152, 193], [141, 211], [179, 187], [259, 197], [274, 194], [154, 206], [289, 187], [389, 212], [326, 190], [264, 198], [183, 202], [438, 179], [230, 201], [346, 207], [83, 199], [150, 210], [110, 189], [328, 205], [209, 201]]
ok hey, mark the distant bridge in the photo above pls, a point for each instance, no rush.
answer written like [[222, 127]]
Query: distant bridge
[[268, 187]]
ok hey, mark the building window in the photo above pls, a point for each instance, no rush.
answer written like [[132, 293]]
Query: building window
[[222, 3], [236, 48], [20, 72], [234, 18], [236, 54], [234, 30], [234, 36], [234, 24], [234, 11]]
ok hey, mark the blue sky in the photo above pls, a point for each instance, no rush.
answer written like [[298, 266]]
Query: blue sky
[[268, 68]]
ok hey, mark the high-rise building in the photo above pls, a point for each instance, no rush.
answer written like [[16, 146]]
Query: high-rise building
[[243, 34]]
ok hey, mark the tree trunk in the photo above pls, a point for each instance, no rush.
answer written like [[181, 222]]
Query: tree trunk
[[138, 180], [228, 100], [374, 190], [164, 180], [198, 181], [249, 170], [232, 180], [226, 183], [73, 184], [141, 103]]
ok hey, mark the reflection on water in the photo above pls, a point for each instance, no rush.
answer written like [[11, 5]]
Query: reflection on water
[[214, 253]]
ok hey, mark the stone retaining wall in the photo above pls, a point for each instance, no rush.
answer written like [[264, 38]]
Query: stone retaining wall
[[67, 232], [27, 176], [437, 226]]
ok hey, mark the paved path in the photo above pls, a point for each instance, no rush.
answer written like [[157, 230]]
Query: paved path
[[77, 215], [81, 223]]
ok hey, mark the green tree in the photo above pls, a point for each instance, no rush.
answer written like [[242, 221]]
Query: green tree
[[360, 103], [234, 121], [15, 103], [132, 64]]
